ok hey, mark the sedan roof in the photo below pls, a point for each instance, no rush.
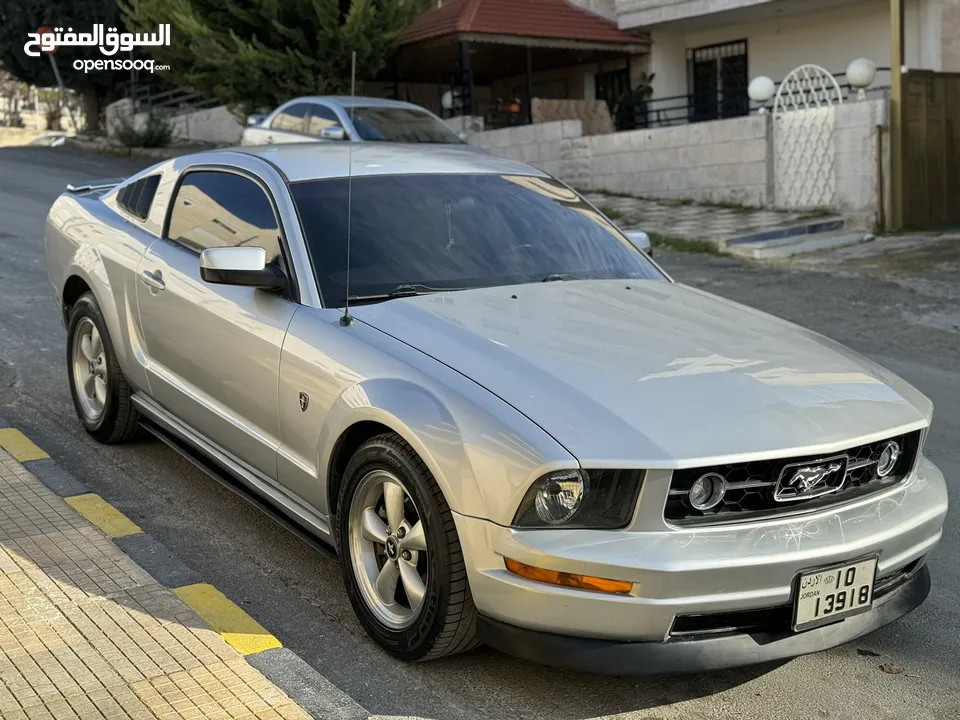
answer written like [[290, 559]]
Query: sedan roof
[[357, 101], [320, 161]]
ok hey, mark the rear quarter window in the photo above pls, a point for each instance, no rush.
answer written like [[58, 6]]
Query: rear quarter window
[[137, 197]]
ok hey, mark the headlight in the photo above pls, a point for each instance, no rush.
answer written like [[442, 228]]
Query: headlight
[[601, 499]]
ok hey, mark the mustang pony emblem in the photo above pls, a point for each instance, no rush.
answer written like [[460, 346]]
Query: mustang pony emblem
[[809, 480]]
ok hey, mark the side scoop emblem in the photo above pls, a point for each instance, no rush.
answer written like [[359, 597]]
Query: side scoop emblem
[[304, 401]]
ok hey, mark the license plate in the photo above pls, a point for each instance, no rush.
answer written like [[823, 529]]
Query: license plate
[[831, 594]]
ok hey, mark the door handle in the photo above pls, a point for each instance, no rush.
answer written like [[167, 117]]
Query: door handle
[[153, 280]]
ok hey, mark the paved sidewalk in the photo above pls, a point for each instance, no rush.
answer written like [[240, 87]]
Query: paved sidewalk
[[86, 633], [693, 221]]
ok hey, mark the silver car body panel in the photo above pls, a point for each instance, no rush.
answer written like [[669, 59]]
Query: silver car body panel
[[493, 390]]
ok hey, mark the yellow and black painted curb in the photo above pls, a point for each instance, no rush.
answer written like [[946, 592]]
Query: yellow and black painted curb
[[262, 650]]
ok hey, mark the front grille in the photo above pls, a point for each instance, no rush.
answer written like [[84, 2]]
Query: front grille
[[773, 619], [751, 486]]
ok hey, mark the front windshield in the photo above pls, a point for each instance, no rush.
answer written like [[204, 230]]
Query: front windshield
[[458, 231], [406, 125]]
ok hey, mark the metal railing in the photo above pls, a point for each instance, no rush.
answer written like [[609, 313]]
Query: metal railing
[[173, 101], [684, 109]]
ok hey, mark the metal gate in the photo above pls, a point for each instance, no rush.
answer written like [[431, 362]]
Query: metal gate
[[931, 149], [803, 120]]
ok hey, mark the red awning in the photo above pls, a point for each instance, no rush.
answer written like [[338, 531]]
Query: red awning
[[537, 19]]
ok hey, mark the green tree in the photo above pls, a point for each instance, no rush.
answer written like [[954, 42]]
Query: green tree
[[20, 17], [256, 54]]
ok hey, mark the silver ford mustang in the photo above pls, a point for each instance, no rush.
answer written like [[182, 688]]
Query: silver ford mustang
[[522, 432]]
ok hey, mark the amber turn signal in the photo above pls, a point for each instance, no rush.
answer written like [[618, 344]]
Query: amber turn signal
[[580, 582]]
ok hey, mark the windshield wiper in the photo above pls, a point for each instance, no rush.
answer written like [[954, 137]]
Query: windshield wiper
[[560, 277], [410, 290]]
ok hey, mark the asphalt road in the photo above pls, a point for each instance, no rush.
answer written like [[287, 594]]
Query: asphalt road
[[910, 324]]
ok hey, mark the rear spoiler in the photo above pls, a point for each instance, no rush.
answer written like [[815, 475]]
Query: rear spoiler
[[94, 186]]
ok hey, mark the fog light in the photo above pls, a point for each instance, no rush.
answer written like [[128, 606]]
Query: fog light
[[707, 492], [888, 459], [560, 495], [581, 582]]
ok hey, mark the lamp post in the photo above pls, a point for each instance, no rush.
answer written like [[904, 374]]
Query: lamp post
[[860, 74], [761, 90]]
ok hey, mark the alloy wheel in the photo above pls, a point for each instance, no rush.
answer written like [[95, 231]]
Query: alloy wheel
[[388, 549], [89, 369]]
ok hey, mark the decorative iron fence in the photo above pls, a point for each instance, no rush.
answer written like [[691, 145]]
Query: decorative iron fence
[[684, 109]]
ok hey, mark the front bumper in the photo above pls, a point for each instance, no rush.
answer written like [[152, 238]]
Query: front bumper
[[691, 572], [612, 657]]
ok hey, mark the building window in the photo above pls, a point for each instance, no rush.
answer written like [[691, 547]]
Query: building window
[[717, 81]]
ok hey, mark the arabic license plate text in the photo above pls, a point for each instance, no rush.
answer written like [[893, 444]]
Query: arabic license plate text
[[825, 596]]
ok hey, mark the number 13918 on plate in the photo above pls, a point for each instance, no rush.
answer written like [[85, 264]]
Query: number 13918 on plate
[[834, 593]]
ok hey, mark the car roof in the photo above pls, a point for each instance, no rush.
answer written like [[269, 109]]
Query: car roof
[[320, 161], [359, 101]]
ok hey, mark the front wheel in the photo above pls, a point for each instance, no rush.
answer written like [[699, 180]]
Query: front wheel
[[402, 562]]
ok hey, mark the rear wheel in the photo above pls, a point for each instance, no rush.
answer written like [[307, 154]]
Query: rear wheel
[[101, 394], [402, 562]]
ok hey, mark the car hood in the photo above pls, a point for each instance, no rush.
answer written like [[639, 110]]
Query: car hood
[[655, 374]]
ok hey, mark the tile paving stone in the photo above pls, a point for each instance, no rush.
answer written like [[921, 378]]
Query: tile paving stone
[[86, 634], [702, 222]]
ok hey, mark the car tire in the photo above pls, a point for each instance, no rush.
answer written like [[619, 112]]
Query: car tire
[[443, 622], [100, 391]]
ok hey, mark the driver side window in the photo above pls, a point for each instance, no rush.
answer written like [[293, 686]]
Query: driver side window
[[218, 209]]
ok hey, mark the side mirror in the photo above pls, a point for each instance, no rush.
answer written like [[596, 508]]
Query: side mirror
[[640, 240], [333, 132], [255, 119], [462, 135], [246, 266]]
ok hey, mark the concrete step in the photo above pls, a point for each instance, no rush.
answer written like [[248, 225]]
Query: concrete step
[[797, 244], [806, 227]]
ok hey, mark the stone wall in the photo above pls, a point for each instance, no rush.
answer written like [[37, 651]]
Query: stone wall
[[214, 125], [548, 146], [856, 126], [723, 161]]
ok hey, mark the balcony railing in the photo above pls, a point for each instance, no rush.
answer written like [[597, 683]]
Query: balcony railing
[[684, 109]]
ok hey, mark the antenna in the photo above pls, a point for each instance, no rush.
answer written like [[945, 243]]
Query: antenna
[[346, 319]]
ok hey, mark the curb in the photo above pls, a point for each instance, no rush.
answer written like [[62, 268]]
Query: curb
[[829, 224], [313, 692]]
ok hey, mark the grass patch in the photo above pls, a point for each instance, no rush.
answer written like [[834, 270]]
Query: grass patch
[[611, 212], [682, 244], [815, 213]]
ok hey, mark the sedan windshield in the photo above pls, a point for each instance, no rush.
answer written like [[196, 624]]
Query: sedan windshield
[[437, 232], [401, 125]]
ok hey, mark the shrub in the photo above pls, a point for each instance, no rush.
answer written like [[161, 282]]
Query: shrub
[[155, 132]]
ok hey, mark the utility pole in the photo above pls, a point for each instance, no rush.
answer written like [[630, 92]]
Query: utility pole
[[897, 114]]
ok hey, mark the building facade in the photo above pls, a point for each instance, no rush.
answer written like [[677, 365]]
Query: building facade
[[704, 52]]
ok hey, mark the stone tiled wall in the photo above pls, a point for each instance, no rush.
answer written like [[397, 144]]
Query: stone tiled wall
[[856, 128], [722, 161], [725, 161], [548, 146]]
